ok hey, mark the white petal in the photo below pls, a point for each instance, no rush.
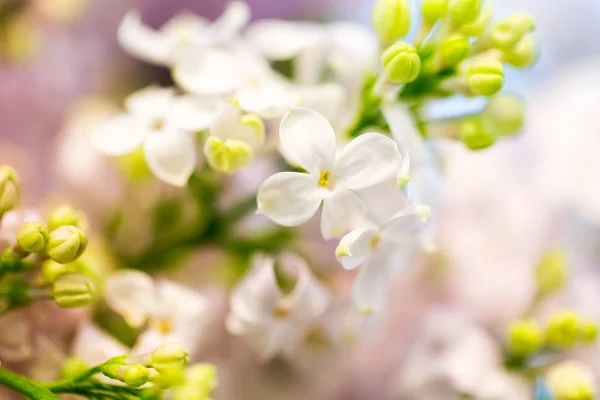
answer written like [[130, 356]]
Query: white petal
[[342, 211], [372, 285], [131, 294], [95, 346], [353, 47], [282, 40], [383, 200], [290, 198], [367, 160], [231, 22], [228, 125], [171, 155], [308, 139], [403, 227], [354, 248], [150, 103], [187, 30], [266, 100], [193, 114], [143, 42], [118, 135], [214, 72]]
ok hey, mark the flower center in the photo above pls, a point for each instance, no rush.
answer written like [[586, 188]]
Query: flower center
[[374, 241], [327, 180], [280, 312], [165, 326], [158, 125]]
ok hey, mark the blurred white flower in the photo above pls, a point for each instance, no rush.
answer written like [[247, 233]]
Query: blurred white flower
[[95, 347], [292, 198], [163, 125], [273, 321]]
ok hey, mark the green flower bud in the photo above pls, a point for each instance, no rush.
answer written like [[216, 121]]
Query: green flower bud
[[508, 32], [65, 215], [485, 77], [434, 10], [551, 273], [73, 367], [52, 270], [66, 244], [401, 62], [72, 290], [562, 330], [571, 380], [481, 23], [9, 189], [134, 375], [523, 54], [454, 49], [588, 331], [169, 356], [524, 338], [507, 113], [32, 237], [229, 156], [203, 376], [391, 19], [464, 11], [477, 133]]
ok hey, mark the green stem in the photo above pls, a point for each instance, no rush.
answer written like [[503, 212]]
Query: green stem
[[25, 386]]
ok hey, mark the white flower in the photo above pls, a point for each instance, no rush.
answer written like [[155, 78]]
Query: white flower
[[160, 123], [270, 320], [379, 252], [292, 198], [183, 35], [95, 346], [173, 313]]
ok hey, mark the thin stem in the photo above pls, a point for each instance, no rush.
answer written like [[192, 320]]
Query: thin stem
[[25, 386]]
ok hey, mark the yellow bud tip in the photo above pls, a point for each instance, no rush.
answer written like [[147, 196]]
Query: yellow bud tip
[[551, 273], [433, 10], [485, 77], [477, 133], [65, 215], [401, 62], [507, 113], [563, 329], [135, 375], [571, 380], [454, 49], [72, 290], [228, 157], [508, 32], [525, 337], [66, 244], [341, 252], [391, 19], [9, 189], [464, 11], [32, 237], [403, 180]]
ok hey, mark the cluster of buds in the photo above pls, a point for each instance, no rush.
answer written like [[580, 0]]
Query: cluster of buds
[[460, 51], [50, 248]]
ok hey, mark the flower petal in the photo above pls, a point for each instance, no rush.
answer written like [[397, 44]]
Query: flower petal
[[118, 135], [94, 346], [268, 100], [143, 42], [282, 40], [171, 155], [192, 113], [231, 22], [354, 248], [308, 139], [150, 103], [214, 72], [342, 211], [372, 284], [290, 198], [367, 160], [230, 125], [132, 294]]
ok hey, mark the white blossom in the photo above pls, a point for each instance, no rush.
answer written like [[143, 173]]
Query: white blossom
[[292, 198]]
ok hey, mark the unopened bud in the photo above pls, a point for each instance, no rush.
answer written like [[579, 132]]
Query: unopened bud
[[203, 376], [477, 133], [72, 290], [134, 375], [228, 156], [65, 215], [562, 330], [454, 49], [434, 10], [401, 62], [391, 19], [73, 367], [508, 32], [524, 338], [66, 244], [524, 53], [507, 113], [169, 356], [464, 11], [52, 270], [588, 331], [32, 237], [481, 23], [551, 273], [571, 380], [485, 77], [9, 189]]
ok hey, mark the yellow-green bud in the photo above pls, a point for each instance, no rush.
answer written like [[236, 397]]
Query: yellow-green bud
[[562, 330], [65, 215], [454, 49], [66, 244], [401, 62], [391, 19], [32, 237], [481, 23], [52, 270], [135, 375], [202, 376], [73, 367], [508, 32], [9, 189], [464, 11], [524, 53], [229, 156], [571, 380], [434, 10], [169, 356], [485, 77], [477, 133], [507, 113], [551, 273], [72, 290], [588, 331], [524, 338]]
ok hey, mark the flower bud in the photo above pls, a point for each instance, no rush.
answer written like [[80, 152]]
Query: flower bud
[[73, 367], [134, 375], [464, 11], [454, 49], [485, 77], [229, 156], [169, 356], [551, 273], [32, 237], [9, 189], [562, 330], [203, 376], [65, 215], [588, 331], [523, 54], [391, 19], [571, 380], [72, 290], [524, 338], [481, 23], [401, 62], [66, 244], [507, 113], [52, 270], [477, 133], [508, 32], [434, 10]]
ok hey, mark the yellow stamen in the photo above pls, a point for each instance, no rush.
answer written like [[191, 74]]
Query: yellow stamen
[[280, 312], [165, 326], [374, 241], [325, 179], [158, 125]]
